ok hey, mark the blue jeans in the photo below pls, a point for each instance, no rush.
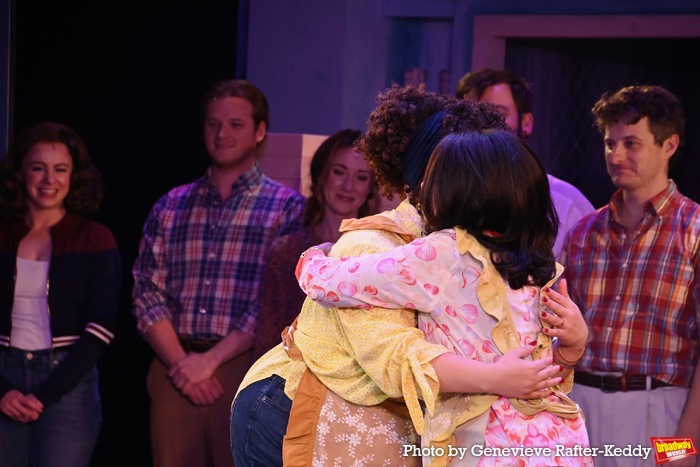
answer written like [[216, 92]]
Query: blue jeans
[[66, 432], [259, 420]]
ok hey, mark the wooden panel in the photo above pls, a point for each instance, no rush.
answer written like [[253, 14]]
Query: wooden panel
[[286, 157]]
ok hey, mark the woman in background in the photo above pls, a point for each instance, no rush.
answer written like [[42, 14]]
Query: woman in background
[[60, 279], [342, 187]]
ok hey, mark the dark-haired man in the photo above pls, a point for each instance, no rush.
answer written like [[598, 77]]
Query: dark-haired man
[[633, 268], [512, 96]]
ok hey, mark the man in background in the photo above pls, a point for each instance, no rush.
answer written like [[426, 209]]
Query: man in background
[[633, 268], [197, 277], [512, 96]]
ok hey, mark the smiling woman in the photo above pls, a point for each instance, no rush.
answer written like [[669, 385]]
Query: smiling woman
[[53, 259], [342, 187], [46, 174]]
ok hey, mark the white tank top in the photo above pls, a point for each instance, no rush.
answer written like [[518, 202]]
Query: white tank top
[[31, 326]]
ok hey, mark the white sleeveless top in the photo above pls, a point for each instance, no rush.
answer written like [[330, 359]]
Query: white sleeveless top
[[31, 326]]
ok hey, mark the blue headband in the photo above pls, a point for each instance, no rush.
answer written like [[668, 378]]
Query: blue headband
[[420, 147]]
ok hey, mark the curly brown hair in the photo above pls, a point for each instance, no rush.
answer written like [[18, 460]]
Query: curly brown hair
[[630, 104], [401, 110], [85, 192]]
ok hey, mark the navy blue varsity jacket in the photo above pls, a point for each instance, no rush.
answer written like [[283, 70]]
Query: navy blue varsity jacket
[[83, 295]]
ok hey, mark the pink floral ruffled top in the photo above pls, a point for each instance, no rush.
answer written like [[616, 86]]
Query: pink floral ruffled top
[[466, 306]]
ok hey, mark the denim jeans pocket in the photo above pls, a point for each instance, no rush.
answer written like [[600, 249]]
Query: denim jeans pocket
[[274, 396], [259, 421]]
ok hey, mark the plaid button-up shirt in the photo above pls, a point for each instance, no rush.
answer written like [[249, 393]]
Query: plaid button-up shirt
[[201, 258], [639, 290]]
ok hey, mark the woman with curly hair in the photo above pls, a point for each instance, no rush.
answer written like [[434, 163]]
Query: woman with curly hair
[[350, 384], [60, 278]]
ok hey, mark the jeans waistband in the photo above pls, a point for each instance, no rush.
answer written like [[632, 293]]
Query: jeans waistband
[[34, 356]]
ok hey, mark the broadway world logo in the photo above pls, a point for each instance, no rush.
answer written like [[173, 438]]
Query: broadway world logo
[[671, 449]]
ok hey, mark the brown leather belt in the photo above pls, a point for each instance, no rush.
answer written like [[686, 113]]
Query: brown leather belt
[[198, 345], [622, 383]]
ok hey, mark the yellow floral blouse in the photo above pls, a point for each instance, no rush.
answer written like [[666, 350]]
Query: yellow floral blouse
[[364, 356]]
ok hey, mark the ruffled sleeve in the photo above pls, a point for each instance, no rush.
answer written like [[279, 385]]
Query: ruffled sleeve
[[392, 353], [404, 277]]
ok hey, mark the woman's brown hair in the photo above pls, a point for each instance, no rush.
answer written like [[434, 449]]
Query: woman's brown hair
[[85, 193]]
